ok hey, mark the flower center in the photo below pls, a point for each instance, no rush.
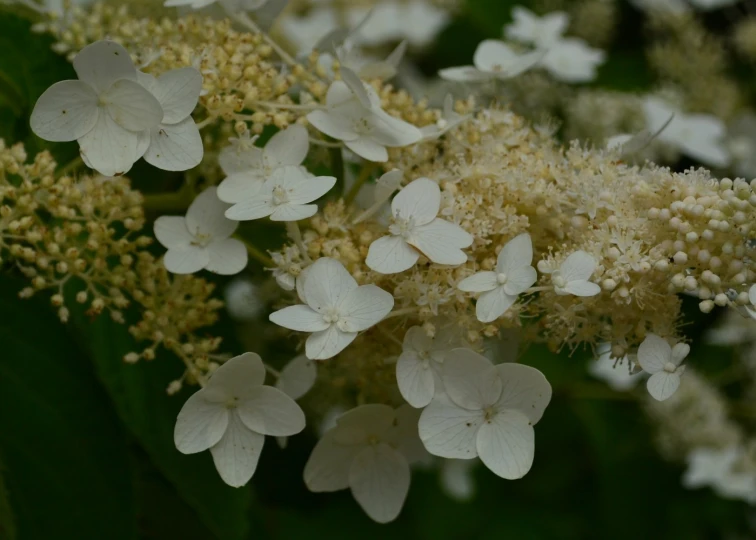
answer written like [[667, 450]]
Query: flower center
[[402, 227], [361, 125], [202, 239], [489, 413], [232, 402], [331, 315], [669, 367], [558, 281], [280, 195], [501, 279]]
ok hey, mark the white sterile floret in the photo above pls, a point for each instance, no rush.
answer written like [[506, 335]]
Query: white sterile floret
[[700, 136], [285, 196], [513, 276], [297, 377], [527, 27], [718, 468], [369, 451], [656, 357], [202, 239], [572, 60], [448, 121], [573, 275], [336, 309], [418, 369], [175, 143], [248, 167], [416, 230], [487, 411], [353, 114], [493, 59], [417, 21], [231, 416], [243, 301], [457, 479], [107, 111], [751, 310], [619, 374]]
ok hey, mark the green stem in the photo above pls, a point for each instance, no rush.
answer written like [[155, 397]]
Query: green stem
[[70, 167], [337, 168], [256, 253], [168, 202], [365, 174]]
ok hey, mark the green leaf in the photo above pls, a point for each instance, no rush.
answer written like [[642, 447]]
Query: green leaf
[[66, 464], [139, 394]]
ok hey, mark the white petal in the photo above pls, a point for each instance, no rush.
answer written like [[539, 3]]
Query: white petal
[[301, 318], [178, 91], [480, 282], [390, 255], [176, 147], [206, 215], [379, 478], [506, 444], [448, 430], [333, 124], [582, 288], [520, 279], [363, 307], [495, 57], [102, 63], [297, 377], [493, 304], [186, 259], [654, 353], [241, 156], [441, 241], [200, 424], [456, 478], [65, 112], [329, 464], [132, 106], [404, 435], [420, 199], [359, 425], [237, 453], [464, 74], [238, 376], [679, 352], [259, 206], [470, 380], [328, 284], [108, 148], [752, 295], [328, 343], [524, 389], [293, 212], [390, 131], [227, 257], [516, 253], [662, 385], [287, 147], [368, 149], [240, 186], [415, 379], [416, 339], [271, 412], [304, 190], [387, 184], [579, 266], [171, 232], [357, 87]]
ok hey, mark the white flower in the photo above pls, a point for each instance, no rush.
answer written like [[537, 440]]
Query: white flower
[[618, 374], [175, 143], [656, 357], [572, 60], [297, 377], [457, 479], [448, 121], [107, 111], [369, 451], [243, 300], [493, 59], [231, 416], [417, 21], [418, 369], [513, 276], [202, 239], [231, 6], [573, 275], [717, 468], [751, 298], [336, 309], [741, 143], [415, 230], [249, 167], [285, 196], [353, 114], [706, 5], [487, 411], [539, 31], [700, 136]]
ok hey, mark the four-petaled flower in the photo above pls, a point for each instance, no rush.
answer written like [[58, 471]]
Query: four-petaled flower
[[415, 229], [249, 167], [369, 451], [202, 239], [336, 309], [285, 196], [107, 111], [487, 411], [493, 60], [231, 416], [573, 275], [660, 360], [527, 27], [354, 115], [751, 298], [175, 143], [513, 276]]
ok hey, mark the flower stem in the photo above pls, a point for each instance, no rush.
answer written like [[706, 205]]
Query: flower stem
[[292, 229], [256, 253], [337, 167], [365, 173], [70, 167], [401, 312], [244, 19]]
